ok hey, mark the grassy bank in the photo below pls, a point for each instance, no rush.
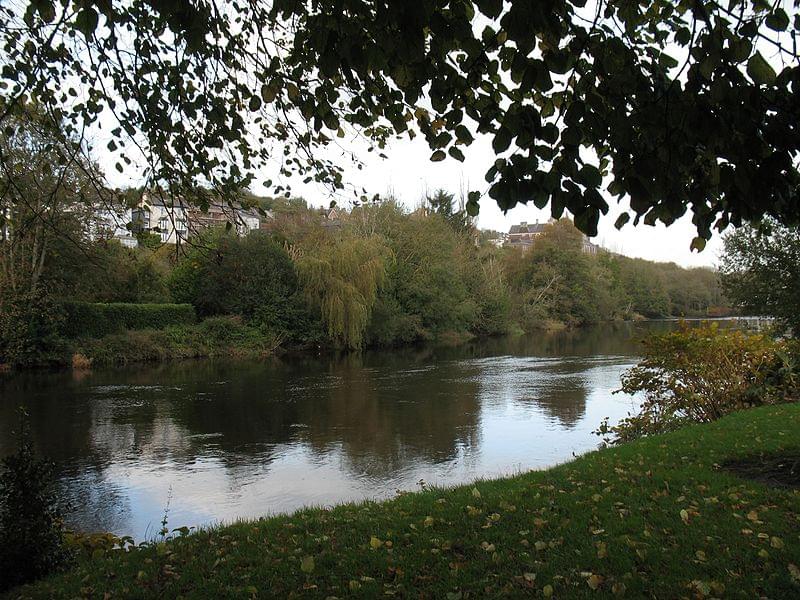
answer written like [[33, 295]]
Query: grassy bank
[[216, 336], [657, 518]]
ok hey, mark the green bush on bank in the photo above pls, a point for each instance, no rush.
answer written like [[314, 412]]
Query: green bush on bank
[[93, 320], [30, 330], [700, 374], [215, 336]]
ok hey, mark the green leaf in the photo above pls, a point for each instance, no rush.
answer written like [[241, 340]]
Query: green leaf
[[86, 21], [698, 244], [438, 156], [501, 141], [622, 220], [778, 20], [269, 92], [590, 176], [760, 70], [255, 103], [456, 153], [740, 49]]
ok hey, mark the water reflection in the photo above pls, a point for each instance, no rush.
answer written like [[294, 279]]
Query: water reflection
[[216, 440]]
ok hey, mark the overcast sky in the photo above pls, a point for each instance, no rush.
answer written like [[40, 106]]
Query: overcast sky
[[407, 174]]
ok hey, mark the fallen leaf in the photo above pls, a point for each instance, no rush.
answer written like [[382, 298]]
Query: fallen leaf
[[547, 591], [594, 581], [794, 572], [375, 543], [307, 564]]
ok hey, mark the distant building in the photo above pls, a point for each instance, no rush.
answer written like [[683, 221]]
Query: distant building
[[523, 236], [112, 223], [175, 221]]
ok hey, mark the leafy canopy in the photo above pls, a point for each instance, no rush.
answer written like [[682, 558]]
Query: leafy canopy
[[675, 99], [760, 269]]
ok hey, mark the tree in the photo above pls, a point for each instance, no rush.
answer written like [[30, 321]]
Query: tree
[[252, 276], [443, 203], [199, 93], [32, 541], [342, 278], [46, 197], [760, 268], [557, 281]]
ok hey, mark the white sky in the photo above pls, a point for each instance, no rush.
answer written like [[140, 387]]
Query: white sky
[[407, 174]]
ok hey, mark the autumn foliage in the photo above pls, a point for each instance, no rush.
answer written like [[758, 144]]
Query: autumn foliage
[[700, 374]]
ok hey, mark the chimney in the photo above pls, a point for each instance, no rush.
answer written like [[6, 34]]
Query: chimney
[[524, 223]]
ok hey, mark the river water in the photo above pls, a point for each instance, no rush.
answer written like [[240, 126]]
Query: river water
[[212, 441]]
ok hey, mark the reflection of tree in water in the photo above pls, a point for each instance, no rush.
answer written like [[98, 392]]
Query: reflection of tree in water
[[567, 391], [380, 417], [387, 420]]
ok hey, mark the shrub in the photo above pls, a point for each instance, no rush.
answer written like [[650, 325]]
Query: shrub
[[699, 374], [31, 535], [84, 319], [30, 327], [215, 336]]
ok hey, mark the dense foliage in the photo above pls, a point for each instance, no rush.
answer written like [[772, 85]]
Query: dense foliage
[[686, 105], [376, 275], [761, 271], [84, 319], [31, 330], [557, 281], [31, 534], [700, 374], [251, 276]]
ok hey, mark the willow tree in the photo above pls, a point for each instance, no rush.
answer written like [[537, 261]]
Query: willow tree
[[683, 105], [341, 278]]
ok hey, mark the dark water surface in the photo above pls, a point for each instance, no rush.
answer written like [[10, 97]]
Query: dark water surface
[[217, 440]]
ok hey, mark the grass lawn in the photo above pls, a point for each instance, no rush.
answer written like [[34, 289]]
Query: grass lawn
[[655, 518]]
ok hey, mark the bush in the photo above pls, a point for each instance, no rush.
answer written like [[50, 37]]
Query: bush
[[31, 535], [84, 319], [251, 276], [30, 331], [700, 374], [215, 336]]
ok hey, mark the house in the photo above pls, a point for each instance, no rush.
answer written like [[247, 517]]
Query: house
[[523, 235], [175, 221], [112, 222]]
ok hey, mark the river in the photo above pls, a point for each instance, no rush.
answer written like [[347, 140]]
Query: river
[[213, 441]]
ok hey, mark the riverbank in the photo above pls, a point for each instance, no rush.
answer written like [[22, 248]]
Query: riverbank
[[213, 337], [659, 517]]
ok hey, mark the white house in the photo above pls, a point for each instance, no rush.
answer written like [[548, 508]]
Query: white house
[[176, 220], [112, 223]]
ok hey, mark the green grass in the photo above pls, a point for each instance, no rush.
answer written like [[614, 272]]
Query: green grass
[[654, 518]]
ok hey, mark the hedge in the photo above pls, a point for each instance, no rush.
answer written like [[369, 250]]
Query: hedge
[[87, 320]]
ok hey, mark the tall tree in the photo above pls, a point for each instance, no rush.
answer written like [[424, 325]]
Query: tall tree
[[760, 269], [47, 193], [342, 278], [206, 92]]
